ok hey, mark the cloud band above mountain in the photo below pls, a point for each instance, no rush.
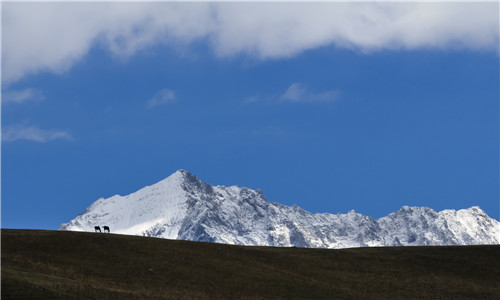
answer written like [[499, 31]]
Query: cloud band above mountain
[[54, 36]]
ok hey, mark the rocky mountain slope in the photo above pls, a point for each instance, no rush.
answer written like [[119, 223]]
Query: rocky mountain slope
[[184, 207]]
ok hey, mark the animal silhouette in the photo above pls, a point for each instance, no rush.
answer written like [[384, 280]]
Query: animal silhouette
[[97, 229]]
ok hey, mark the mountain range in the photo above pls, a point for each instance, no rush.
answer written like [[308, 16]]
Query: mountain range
[[184, 207]]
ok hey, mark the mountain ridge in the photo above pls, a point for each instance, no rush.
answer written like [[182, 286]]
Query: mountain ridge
[[184, 207]]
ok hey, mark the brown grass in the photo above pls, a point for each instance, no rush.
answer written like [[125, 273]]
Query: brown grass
[[39, 264]]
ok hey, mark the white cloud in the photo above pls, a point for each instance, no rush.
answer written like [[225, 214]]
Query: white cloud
[[281, 30], [54, 36], [21, 96], [162, 97], [32, 133], [298, 92]]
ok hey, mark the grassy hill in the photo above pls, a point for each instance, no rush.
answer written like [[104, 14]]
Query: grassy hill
[[61, 265]]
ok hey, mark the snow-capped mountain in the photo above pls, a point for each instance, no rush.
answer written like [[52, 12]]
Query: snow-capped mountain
[[184, 207]]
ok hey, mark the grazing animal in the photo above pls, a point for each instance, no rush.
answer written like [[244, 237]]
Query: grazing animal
[[106, 228], [97, 229]]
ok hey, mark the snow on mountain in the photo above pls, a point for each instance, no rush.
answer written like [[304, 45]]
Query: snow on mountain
[[184, 207]]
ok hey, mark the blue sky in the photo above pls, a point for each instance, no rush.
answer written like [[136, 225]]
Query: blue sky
[[329, 106]]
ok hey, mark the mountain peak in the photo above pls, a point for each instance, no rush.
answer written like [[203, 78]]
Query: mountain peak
[[181, 171], [475, 209], [180, 174], [416, 209], [184, 175], [184, 207]]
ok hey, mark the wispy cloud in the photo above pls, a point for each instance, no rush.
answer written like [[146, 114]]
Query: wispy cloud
[[252, 99], [298, 92], [162, 97], [21, 96], [261, 30], [32, 133]]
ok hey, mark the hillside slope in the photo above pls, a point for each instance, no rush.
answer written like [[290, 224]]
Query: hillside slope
[[77, 265]]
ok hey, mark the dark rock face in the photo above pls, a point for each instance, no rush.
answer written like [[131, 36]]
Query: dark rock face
[[192, 184]]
